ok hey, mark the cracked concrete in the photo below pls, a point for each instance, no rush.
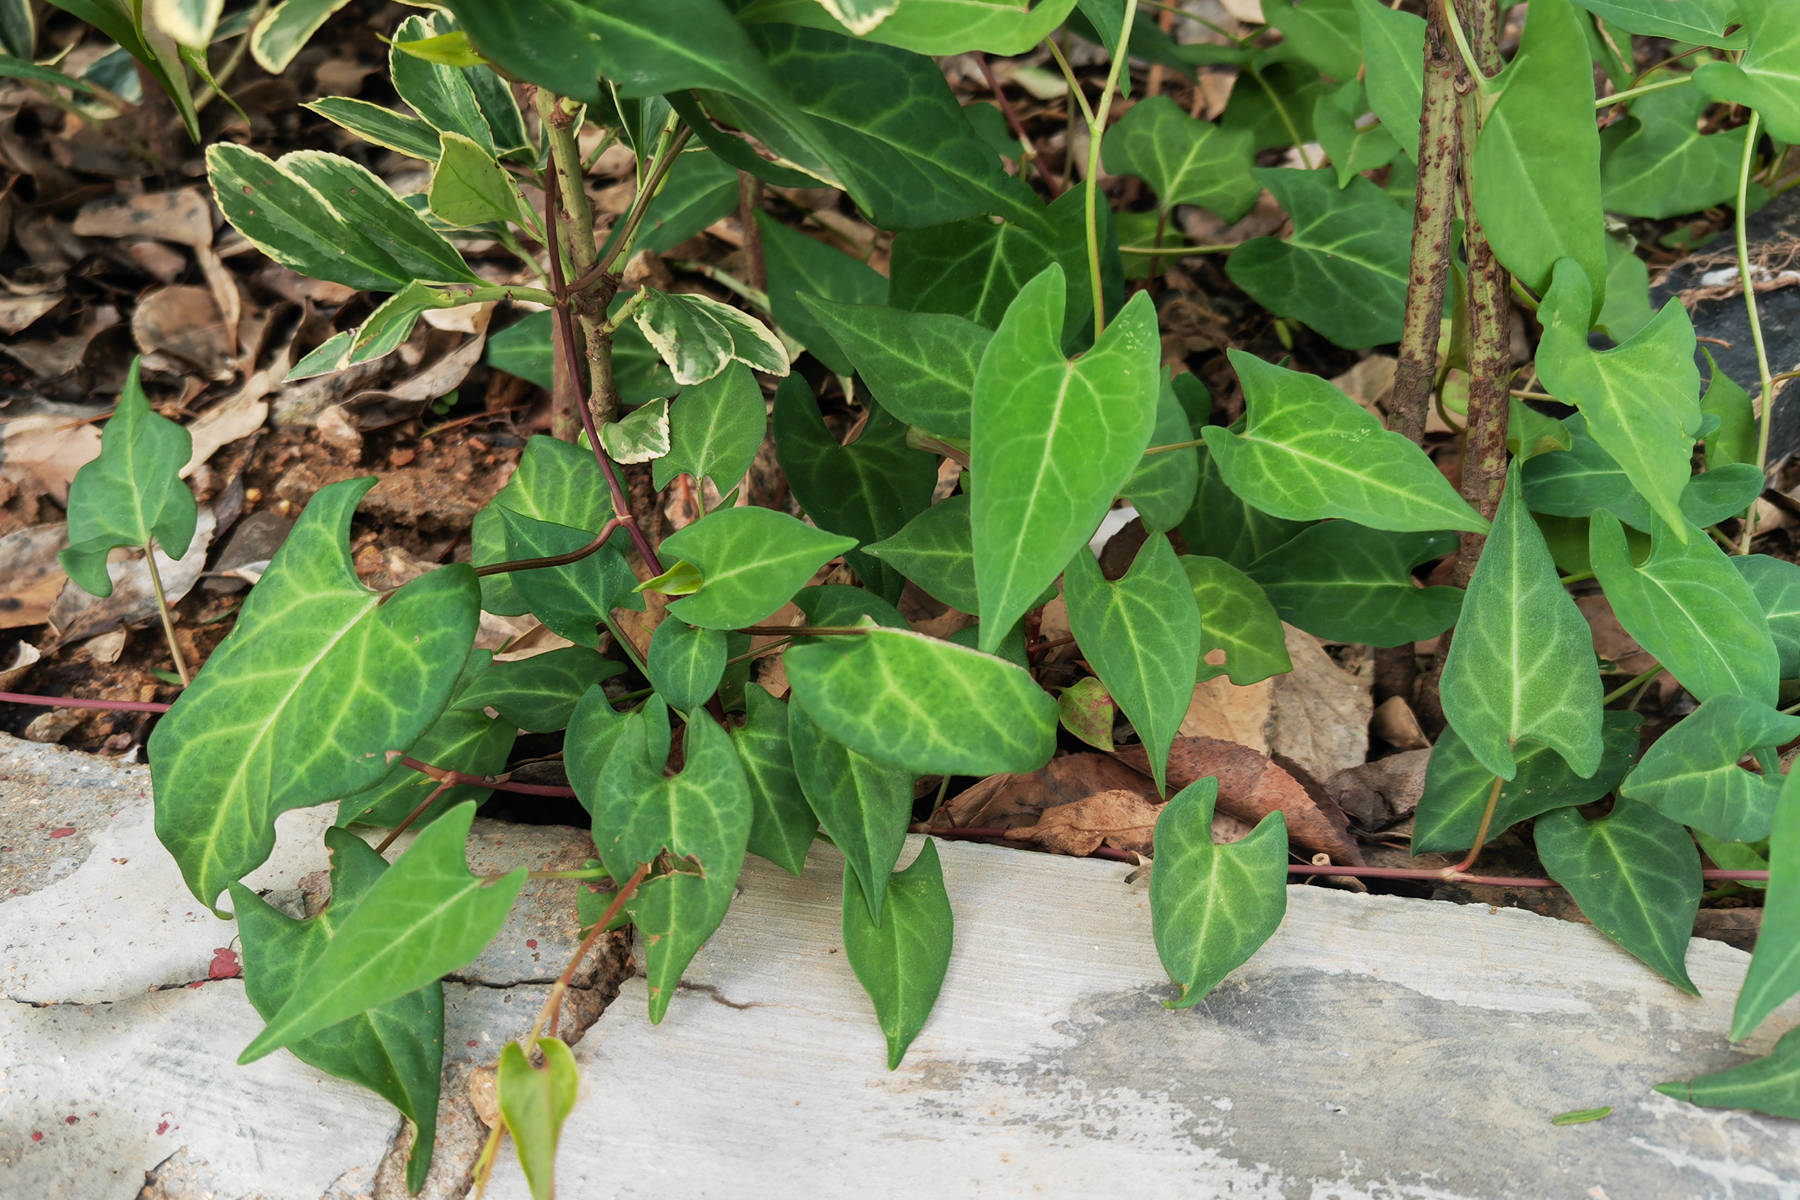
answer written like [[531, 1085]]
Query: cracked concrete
[[1376, 1047]]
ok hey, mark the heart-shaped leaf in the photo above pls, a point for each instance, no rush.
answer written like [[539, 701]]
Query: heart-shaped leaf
[[781, 825], [131, 493], [1237, 619], [1522, 665], [425, 917], [1052, 442], [1345, 582], [936, 551], [534, 1102], [396, 1049], [1309, 451], [702, 814], [1636, 876], [751, 562], [1183, 159], [1691, 774], [639, 436], [902, 961], [1141, 634], [1212, 906], [715, 429], [919, 365], [299, 705]]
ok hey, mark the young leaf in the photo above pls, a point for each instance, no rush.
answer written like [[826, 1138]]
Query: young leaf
[[698, 336], [1537, 160], [800, 265], [1237, 619], [1641, 400], [751, 561], [1774, 973], [1052, 442], [1141, 634], [781, 824], [639, 436], [1636, 876], [468, 186], [1690, 608], [902, 961], [534, 1102], [715, 429], [1770, 1084], [425, 917], [396, 1049], [1345, 582], [131, 493], [538, 694], [867, 490], [863, 805], [1734, 441], [442, 94], [1309, 451], [1183, 159], [1457, 785], [1212, 906], [919, 365], [1522, 664], [298, 705], [1085, 710], [1775, 583], [929, 706], [685, 663], [701, 815], [1691, 774], [1343, 268], [936, 551]]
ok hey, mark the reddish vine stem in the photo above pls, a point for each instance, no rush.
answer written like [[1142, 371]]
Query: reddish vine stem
[[552, 560], [551, 1012], [500, 783], [419, 811], [143, 706], [1016, 125]]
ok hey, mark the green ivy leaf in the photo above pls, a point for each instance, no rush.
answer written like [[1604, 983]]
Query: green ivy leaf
[[1183, 159], [1641, 400], [1774, 973], [1693, 22], [1775, 583], [1522, 664], [1690, 608], [1321, 34], [1770, 1084], [1353, 148], [936, 551], [1691, 774], [935, 27], [1052, 442], [1457, 785], [1221, 525], [782, 825], [1309, 451], [1237, 619], [1343, 268], [538, 694], [534, 1102], [927, 705], [1141, 634], [1734, 441], [1211, 906], [1584, 479], [1162, 486], [1345, 582], [132, 493], [702, 814], [698, 336], [298, 706], [595, 728], [902, 961], [1766, 76], [1394, 55], [425, 917], [863, 805], [675, 914], [574, 600], [867, 490], [396, 1049], [1537, 160], [685, 663], [1664, 166], [715, 429], [799, 265], [1636, 876], [919, 365], [751, 561]]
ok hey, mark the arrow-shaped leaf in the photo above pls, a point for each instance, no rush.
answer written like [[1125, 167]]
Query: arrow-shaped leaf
[[902, 961], [1774, 973], [863, 805], [1691, 774]]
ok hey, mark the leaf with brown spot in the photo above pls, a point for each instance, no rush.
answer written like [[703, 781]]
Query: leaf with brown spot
[[1251, 785]]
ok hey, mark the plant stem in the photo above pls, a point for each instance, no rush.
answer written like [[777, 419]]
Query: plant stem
[[168, 618], [1625, 689], [549, 1013], [143, 706], [1766, 384], [1096, 132], [750, 193], [1177, 249], [1171, 447], [1481, 833], [552, 560], [1643, 90], [1028, 152], [1462, 42], [499, 783]]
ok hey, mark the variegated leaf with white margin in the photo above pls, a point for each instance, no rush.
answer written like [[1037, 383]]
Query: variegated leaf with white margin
[[698, 336]]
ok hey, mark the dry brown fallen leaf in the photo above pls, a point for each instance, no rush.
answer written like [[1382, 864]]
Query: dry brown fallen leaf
[[184, 324], [1381, 793], [1252, 785], [32, 574], [43, 452], [1123, 820]]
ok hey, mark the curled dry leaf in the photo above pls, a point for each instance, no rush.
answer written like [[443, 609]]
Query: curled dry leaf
[[185, 323], [15, 662], [1123, 820], [42, 452], [183, 217], [1252, 785], [1381, 793], [32, 574]]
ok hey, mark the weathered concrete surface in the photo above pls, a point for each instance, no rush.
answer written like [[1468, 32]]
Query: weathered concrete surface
[[1376, 1047], [118, 1052]]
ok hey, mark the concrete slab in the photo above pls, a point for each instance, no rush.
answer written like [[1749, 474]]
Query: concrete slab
[[1376, 1047]]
